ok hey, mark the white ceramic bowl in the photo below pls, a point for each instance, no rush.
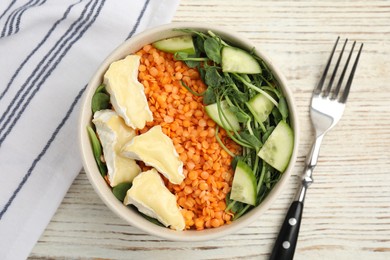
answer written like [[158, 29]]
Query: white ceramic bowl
[[103, 190]]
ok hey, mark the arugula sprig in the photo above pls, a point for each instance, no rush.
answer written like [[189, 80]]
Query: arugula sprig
[[236, 90]]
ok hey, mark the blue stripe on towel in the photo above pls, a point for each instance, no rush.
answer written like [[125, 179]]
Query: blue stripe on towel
[[139, 19], [7, 9], [12, 15], [32, 85], [17, 25], [37, 47], [42, 153], [8, 27]]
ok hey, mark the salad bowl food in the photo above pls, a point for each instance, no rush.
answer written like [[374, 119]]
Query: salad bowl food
[[188, 132]]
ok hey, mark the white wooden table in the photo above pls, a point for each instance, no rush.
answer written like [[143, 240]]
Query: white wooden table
[[347, 211]]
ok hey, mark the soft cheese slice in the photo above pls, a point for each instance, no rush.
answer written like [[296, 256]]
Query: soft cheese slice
[[149, 194], [127, 93], [156, 149], [113, 134]]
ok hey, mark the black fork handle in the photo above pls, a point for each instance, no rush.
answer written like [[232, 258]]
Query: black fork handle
[[286, 242]]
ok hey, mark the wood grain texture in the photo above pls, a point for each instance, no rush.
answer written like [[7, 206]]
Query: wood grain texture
[[347, 211]]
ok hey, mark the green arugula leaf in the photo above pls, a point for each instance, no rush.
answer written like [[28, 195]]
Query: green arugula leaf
[[251, 139], [241, 116], [277, 116], [97, 151], [198, 42], [101, 88], [267, 133], [100, 101], [209, 97], [213, 49], [212, 77], [283, 108], [121, 189]]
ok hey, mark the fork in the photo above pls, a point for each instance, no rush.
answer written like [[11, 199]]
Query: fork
[[327, 107]]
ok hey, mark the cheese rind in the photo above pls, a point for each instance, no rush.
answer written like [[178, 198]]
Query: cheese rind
[[127, 94], [156, 149], [113, 134], [151, 197]]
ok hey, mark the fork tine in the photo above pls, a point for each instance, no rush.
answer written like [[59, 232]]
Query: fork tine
[[320, 84], [327, 91], [337, 90], [344, 97]]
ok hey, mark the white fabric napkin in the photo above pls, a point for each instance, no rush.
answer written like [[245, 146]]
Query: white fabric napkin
[[49, 49]]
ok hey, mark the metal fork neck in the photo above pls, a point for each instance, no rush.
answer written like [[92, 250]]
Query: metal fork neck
[[311, 162]]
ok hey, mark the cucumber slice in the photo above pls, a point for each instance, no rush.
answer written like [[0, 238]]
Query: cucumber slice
[[180, 43], [260, 106], [239, 61], [229, 123], [278, 148], [244, 184]]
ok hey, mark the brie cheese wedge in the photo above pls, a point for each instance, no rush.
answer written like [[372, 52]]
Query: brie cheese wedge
[[113, 134], [156, 149], [151, 197], [127, 94]]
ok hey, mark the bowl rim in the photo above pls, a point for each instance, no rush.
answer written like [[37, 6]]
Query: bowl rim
[[104, 192]]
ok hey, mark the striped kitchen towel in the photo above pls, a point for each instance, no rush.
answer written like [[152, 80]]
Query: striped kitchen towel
[[48, 51]]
